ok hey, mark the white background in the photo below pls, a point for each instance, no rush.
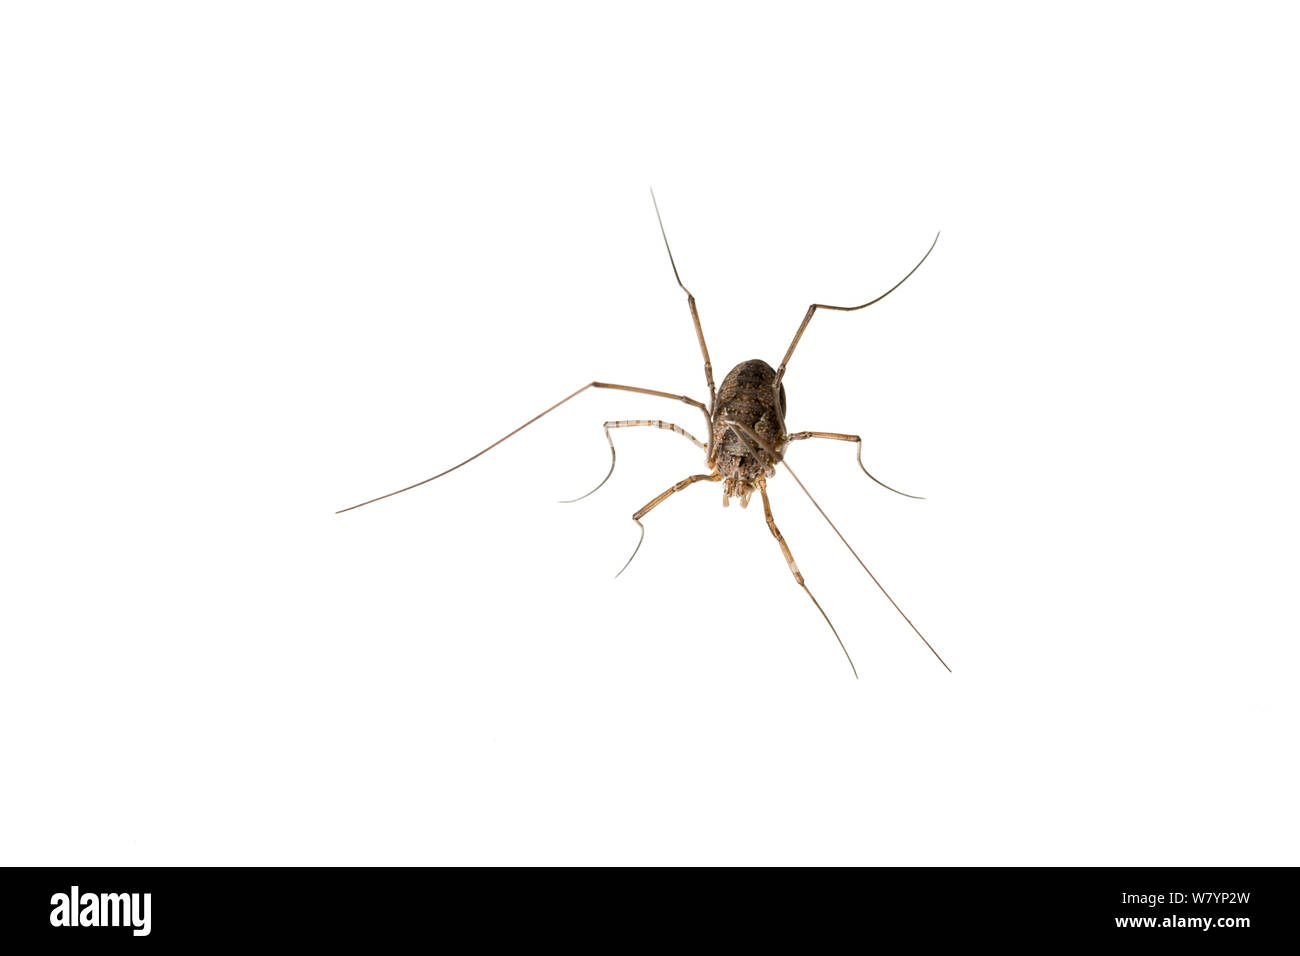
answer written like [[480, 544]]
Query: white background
[[263, 261]]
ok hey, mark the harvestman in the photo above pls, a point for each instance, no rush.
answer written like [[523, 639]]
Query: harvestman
[[747, 438]]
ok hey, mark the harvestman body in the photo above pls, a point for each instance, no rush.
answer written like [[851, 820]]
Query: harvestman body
[[747, 438]]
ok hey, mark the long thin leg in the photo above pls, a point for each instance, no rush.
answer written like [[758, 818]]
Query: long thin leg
[[794, 569], [690, 301], [669, 426], [780, 372], [864, 564], [839, 436], [623, 388], [656, 501]]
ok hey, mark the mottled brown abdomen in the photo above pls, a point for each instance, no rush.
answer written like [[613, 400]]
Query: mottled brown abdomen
[[748, 426]]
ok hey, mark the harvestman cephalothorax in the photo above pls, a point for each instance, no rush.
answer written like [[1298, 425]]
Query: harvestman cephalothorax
[[747, 438]]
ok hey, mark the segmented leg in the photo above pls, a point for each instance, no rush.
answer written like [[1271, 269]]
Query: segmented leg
[[864, 566], [656, 501], [632, 424], [838, 436], [621, 388], [794, 569], [780, 372], [690, 301]]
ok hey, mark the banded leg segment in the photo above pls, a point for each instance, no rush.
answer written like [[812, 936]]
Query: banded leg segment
[[652, 423], [655, 423], [622, 388], [839, 436], [794, 569], [658, 500]]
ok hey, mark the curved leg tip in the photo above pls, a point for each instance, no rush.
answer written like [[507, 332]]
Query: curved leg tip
[[888, 488], [634, 550], [613, 460], [569, 501]]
